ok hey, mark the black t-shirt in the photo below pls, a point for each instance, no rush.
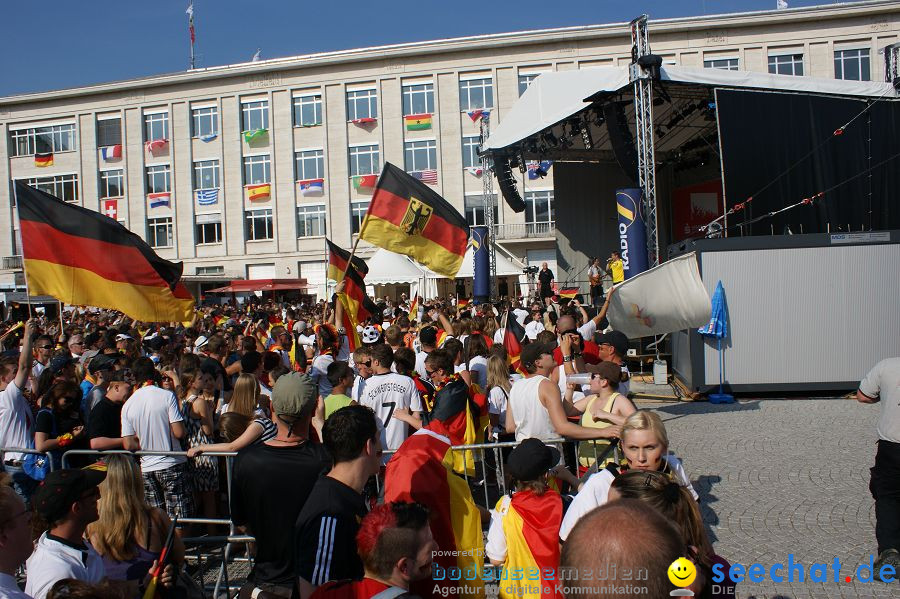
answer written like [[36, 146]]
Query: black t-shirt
[[326, 533], [55, 424], [271, 485], [105, 420], [545, 276]]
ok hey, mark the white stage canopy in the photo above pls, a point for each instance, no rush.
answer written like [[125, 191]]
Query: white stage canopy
[[556, 96], [505, 266]]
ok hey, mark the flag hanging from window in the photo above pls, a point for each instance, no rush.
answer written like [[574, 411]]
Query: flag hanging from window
[[256, 134], [159, 200], [111, 152], [538, 170], [157, 145], [256, 193], [85, 258], [418, 122], [206, 197], [312, 187], [111, 209], [43, 159], [364, 182], [427, 176], [408, 217], [208, 138], [366, 120], [479, 114], [475, 170]]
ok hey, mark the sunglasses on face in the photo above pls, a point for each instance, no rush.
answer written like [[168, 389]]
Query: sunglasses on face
[[367, 363], [45, 347]]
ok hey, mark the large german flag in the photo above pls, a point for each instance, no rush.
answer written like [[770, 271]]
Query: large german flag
[[407, 217], [422, 470], [85, 258]]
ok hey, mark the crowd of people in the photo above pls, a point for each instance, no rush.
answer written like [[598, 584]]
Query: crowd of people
[[344, 472]]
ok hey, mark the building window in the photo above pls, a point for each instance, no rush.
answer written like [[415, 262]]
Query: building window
[[258, 225], [470, 144], [206, 174], [109, 132], [418, 98], [525, 81], [257, 169], [357, 215], [786, 64], [476, 93], [64, 187], [539, 207], [156, 126], [208, 228], [311, 220], [57, 138], [158, 178], [726, 64], [210, 270], [420, 155], [254, 115], [307, 110], [159, 232], [474, 205], [205, 121], [362, 104], [309, 164], [852, 65], [364, 160], [112, 184]]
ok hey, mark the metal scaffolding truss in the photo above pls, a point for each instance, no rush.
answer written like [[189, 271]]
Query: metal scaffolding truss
[[644, 135], [487, 197]]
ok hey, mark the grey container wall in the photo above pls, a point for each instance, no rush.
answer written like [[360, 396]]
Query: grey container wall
[[806, 312]]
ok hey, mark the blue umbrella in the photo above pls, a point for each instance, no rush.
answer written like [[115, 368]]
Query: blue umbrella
[[717, 328]]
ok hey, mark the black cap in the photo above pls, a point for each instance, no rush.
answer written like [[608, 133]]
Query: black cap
[[618, 340], [61, 488], [58, 363], [531, 460], [101, 362], [428, 335], [533, 351]]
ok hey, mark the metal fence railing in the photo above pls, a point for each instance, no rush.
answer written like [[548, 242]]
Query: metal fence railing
[[5, 450]]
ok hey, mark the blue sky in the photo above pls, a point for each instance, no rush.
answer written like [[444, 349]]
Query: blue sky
[[64, 43]]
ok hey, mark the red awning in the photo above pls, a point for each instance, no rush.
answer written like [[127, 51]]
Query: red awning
[[248, 286]]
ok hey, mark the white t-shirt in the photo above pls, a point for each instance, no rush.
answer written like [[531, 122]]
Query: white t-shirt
[[359, 387], [478, 367], [533, 328], [531, 417], [420, 364], [15, 421], [497, 404], [883, 382], [595, 493], [498, 336], [386, 392], [587, 330], [319, 373], [9, 588], [53, 561], [521, 315], [147, 414]]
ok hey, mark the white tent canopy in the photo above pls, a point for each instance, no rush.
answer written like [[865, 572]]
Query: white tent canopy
[[505, 266], [387, 268], [556, 96]]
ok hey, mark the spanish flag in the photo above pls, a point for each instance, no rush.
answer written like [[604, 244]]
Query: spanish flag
[[513, 334], [43, 159], [568, 292], [85, 258], [408, 217], [422, 470], [256, 193], [531, 527]]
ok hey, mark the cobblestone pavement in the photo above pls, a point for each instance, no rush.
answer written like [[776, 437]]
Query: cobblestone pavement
[[777, 477]]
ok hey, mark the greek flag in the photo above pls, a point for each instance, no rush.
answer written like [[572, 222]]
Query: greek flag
[[205, 197]]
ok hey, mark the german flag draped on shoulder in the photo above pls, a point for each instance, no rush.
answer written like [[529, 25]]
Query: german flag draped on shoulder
[[85, 258], [407, 217]]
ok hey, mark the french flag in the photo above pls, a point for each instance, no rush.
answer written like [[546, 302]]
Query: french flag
[[111, 152]]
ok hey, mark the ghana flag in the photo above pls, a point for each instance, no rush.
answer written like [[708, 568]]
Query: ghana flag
[[408, 217], [85, 258], [531, 527], [422, 470]]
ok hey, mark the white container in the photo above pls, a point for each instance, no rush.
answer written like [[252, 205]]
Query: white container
[[578, 378], [660, 372]]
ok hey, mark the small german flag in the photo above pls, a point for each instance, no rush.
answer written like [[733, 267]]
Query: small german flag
[[337, 262], [513, 334], [568, 292], [356, 304], [43, 159], [85, 258], [408, 217], [414, 306], [462, 303]]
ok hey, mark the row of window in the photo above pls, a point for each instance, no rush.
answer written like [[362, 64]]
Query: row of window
[[311, 220], [850, 65]]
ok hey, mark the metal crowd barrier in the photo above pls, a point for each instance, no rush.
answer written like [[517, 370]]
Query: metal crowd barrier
[[5, 450]]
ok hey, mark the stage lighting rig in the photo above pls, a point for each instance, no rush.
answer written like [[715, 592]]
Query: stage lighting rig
[[586, 135]]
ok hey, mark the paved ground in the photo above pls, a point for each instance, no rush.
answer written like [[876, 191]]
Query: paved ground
[[784, 476]]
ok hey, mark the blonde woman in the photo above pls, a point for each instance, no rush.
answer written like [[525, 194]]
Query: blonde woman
[[129, 534], [645, 445], [497, 391], [246, 398]]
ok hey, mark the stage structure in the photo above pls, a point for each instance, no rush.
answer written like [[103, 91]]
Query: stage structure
[[487, 196]]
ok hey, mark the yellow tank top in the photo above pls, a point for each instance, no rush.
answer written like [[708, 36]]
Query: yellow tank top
[[588, 449]]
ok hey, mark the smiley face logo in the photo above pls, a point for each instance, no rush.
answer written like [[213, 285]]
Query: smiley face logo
[[682, 572]]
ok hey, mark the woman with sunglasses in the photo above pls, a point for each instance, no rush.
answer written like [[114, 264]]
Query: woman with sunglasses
[[645, 444]]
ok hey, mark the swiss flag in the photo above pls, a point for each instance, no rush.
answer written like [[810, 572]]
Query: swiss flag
[[111, 208]]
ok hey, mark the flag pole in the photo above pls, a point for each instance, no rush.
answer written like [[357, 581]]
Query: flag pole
[[190, 13], [24, 270], [62, 327]]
